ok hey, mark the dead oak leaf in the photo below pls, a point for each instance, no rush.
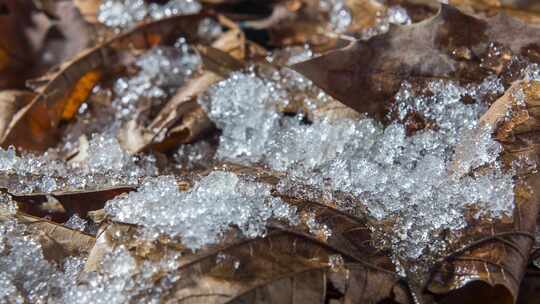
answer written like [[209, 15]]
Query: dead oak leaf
[[62, 90], [366, 75], [492, 265]]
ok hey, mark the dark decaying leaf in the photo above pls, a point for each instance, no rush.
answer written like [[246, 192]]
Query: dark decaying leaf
[[74, 202], [529, 291], [366, 75], [301, 21], [15, 52], [62, 90]]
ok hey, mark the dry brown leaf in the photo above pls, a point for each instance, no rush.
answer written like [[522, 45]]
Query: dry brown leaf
[[88, 9], [74, 202], [491, 267], [10, 102], [35, 127], [57, 241], [66, 36], [182, 120], [283, 267], [296, 22], [366, 75]]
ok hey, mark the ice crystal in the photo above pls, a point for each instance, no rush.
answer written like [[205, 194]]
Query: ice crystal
[[196, 155], [105, 164], [201, 215], [254, 109], [409, 178], [339, 13], [7, 205], [121, 13], [121, 278], [317, 228], [162, 70], [77, 223], [26, 275], [394, 15], [124, 13]]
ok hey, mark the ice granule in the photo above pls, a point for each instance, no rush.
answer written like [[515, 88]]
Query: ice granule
[[532, 72], [201, 215], [407, 177], [339, 14], [106, 164], [162, 70], [317, 228], [173, 7], [26, 276], [77, 223], [121, 278], [7, 205], [124, 13], [475, 149], [197, 155], [121, 13], [395, 14], [244, 107], [8, 158]]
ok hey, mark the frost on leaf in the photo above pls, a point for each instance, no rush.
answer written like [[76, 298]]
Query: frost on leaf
[[106, 164], [409, 179], [215, 152], [203, 214], [124, 13]]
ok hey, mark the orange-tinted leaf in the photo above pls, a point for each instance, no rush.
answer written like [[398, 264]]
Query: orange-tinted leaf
[[88, 9], [80, 92]]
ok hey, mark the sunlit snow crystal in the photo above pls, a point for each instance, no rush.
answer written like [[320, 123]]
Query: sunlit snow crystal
[[395, 14], [7, 205], [340, 16], [106, 164], [174, 7], [25, 272], [75, 222], [201, 215], [123, 13], [244, 107], [408, 178], [122, 279], [162, 70], [8, 158]]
